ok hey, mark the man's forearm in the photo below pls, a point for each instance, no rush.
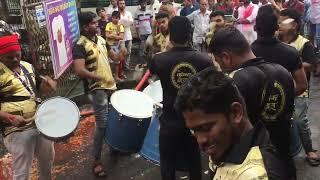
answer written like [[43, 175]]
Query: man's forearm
[[84, 73]]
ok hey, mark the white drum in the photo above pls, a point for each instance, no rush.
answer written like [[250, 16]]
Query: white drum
[[132, 103], [154, 90], [57, 117], [128, 120]]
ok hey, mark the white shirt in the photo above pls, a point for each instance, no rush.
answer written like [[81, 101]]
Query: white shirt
[[143, 21], [315, 12], [110, 9], [248, 29], [126, 20], [201, 25], [59, 32]]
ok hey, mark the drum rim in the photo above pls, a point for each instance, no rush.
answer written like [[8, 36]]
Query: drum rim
[[56, 97], [112, 100], [148, 87]]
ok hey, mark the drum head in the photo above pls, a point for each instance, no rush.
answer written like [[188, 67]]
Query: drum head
[[154, 90], [57, 117], [132, 103]]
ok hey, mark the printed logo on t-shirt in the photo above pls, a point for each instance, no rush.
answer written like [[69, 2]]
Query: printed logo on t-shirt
[[273, 101], [181, 73]]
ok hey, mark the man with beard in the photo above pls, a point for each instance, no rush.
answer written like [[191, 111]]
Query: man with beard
[[215, 112], [178, 149], [267, 88], [289, 26], [126, 20], [160, 41], [217, 21]]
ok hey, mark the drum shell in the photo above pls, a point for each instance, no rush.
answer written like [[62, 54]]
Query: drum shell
[[295, 145], [150, 148], [124, 133]]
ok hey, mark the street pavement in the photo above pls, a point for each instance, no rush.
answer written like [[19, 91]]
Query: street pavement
[[73, 158]]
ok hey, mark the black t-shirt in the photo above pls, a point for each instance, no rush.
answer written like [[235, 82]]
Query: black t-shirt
[[174, 68], [273, 50], [102, 25], [268, 90], [308, 54]]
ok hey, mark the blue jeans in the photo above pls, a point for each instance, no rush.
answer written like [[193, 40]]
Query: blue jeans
[[143, 39], [99, 101], [302, 122], [315, 30], [128, 45]]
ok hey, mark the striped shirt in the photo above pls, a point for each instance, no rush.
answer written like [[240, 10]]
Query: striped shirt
[[143, 21]]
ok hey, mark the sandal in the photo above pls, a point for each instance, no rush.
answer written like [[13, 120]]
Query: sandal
[[98, 170], [313, 161]]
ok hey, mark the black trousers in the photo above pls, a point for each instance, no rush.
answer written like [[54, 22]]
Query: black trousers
[[179, 151], [280, 137]]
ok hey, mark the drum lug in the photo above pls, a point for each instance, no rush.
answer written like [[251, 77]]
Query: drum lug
[[120, 117], [139, 121]]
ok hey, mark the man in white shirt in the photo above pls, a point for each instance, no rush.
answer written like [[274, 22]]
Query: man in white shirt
[[246, 18], [143, 22], [112, 7], [200, 19], [126, 20], [315, 20]]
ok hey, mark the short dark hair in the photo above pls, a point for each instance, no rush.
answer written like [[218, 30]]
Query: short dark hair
[[229, 39], [266, 21], [116, 14], [161, 15], [294, 14], [210, 91], [120, 0], [100, 8], [217, 13], [180, 30], [85, 18]]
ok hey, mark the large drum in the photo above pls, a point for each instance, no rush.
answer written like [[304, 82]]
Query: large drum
[[295, 146], [128, 120], [154, 90], [56, 118], [150, 148]]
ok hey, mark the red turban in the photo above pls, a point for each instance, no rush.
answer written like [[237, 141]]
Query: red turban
[[9, 44]]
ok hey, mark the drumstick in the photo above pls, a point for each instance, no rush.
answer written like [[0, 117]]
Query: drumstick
[[143, 80], [44, 78]]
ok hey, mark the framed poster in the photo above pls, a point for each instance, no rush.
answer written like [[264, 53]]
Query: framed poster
[[63, 29]]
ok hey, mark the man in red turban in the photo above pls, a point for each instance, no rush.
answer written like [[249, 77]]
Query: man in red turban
[[17, 108]]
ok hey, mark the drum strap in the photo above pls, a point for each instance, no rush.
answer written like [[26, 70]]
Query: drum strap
[[14, 98], [32, 83]]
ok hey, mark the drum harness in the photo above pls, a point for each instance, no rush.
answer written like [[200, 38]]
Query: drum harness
[[32, 91]]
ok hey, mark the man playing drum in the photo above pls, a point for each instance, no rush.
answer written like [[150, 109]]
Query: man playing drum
[[17, 108], [91, 63], [178, 149]]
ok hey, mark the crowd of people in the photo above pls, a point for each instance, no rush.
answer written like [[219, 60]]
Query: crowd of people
[[235, 78]]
